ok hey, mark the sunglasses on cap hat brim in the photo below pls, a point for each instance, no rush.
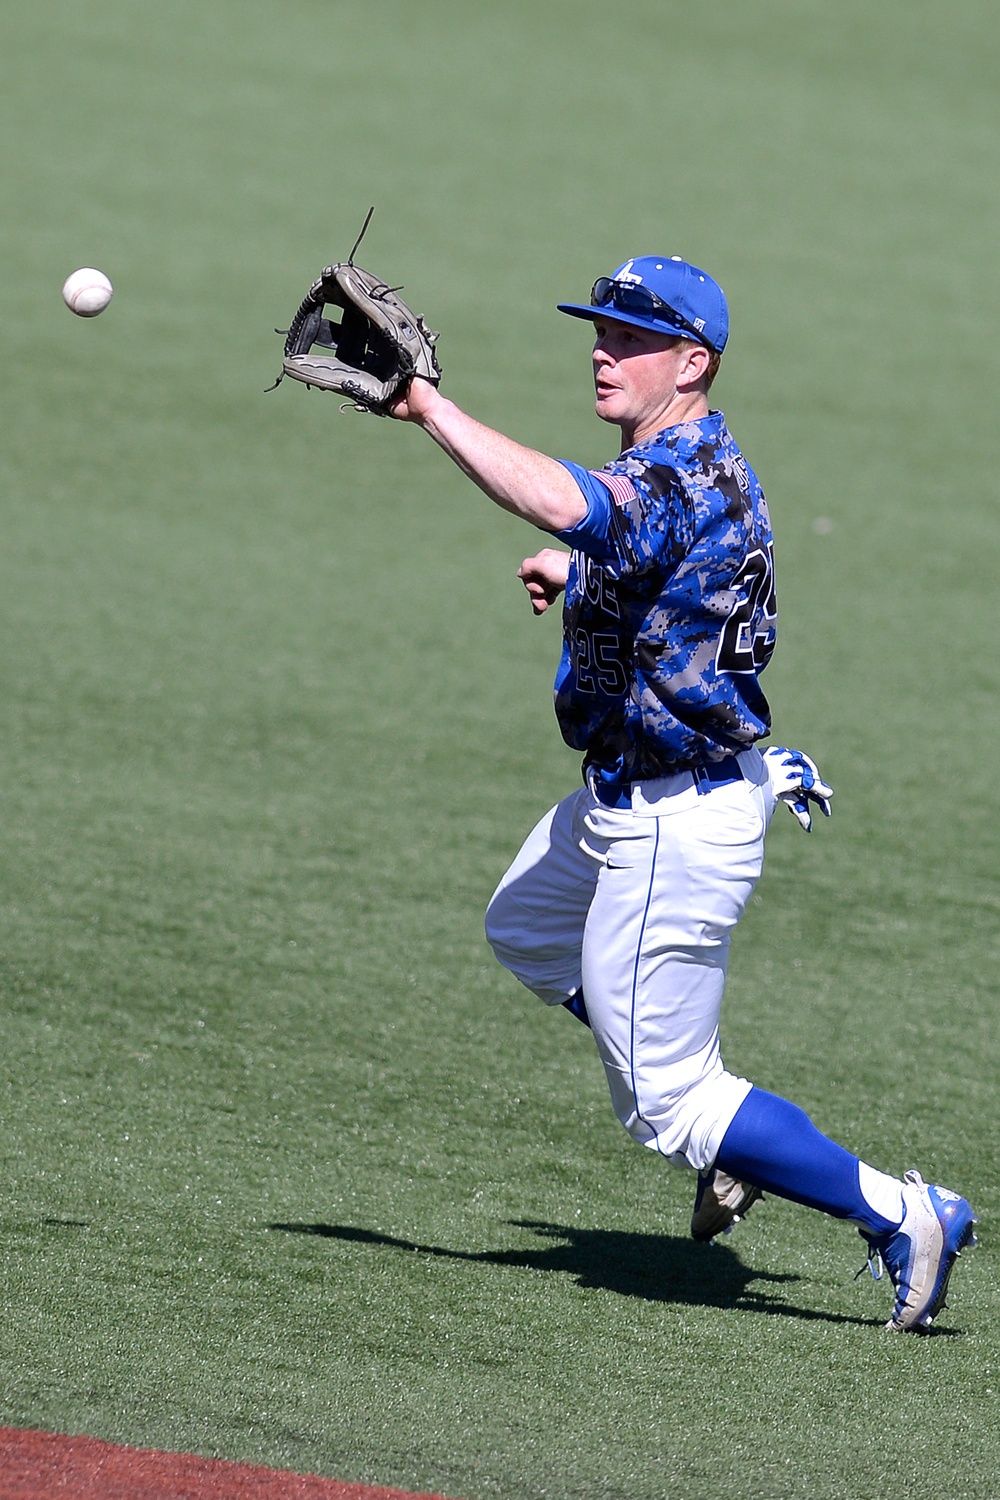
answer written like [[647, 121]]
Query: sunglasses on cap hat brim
[[639, 301]]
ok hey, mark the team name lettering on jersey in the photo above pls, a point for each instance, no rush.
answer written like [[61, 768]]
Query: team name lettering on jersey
[[596, 586]]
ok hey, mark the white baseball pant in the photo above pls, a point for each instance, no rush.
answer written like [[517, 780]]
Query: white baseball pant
[[637, 906]]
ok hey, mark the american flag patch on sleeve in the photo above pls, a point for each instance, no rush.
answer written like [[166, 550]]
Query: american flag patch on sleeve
[[622, 490]]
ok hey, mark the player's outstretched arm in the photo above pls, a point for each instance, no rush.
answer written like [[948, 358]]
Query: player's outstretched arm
[[517, 478], [544, 576]]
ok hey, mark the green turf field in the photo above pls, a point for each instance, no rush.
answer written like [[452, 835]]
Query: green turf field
[[291, 1171]]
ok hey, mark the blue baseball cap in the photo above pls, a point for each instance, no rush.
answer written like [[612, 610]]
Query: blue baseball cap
[[664, 293]]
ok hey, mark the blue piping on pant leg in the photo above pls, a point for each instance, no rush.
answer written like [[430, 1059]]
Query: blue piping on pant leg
[[635, 987]]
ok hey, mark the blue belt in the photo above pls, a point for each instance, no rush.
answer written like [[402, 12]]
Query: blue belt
[[713, 773]]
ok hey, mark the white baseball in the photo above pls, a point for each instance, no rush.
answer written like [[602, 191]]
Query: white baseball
[[87, 292]]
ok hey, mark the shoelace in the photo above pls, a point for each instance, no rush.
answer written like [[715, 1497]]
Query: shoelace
[[875, 1264]]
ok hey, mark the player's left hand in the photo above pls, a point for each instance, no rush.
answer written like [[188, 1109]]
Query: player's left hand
[[417, 400], [795, 780]]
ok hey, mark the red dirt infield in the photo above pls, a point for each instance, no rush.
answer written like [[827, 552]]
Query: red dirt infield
[[46, 1465]]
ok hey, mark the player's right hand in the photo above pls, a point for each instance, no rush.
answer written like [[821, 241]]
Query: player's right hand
[[544, 576]]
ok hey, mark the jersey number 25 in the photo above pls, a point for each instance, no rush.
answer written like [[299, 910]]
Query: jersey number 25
[[748, 635]]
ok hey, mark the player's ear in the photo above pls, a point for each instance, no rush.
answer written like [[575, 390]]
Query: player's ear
[[694, 367]]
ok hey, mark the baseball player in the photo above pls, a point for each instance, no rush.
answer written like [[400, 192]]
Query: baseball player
[[622, 901]]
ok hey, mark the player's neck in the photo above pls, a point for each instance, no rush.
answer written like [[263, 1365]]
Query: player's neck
[[684, 406]]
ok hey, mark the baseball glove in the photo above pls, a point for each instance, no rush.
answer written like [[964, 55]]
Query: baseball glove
[[374, 351]]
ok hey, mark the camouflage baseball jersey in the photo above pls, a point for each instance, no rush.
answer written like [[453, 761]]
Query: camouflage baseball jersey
[[670, 610]]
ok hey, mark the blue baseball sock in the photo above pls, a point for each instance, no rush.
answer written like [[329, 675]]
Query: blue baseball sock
[[577, 1006], [775, 1146]]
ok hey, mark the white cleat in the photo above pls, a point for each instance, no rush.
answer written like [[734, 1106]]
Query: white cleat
[[721, 1202], [921, 1254]]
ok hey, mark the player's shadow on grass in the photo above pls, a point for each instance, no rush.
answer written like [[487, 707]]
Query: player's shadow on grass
[[659, 1268]]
